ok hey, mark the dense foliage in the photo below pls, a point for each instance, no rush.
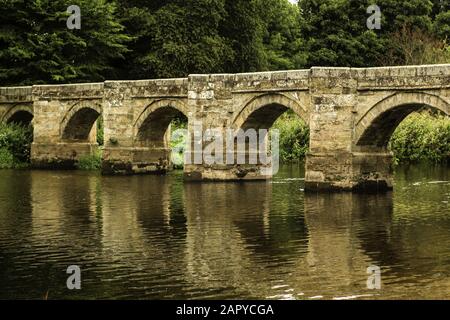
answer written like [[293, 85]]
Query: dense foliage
[[133, 39], [178, 141], [37, 47], [15, 145], [90, 162], [422, 136], [294, 137]]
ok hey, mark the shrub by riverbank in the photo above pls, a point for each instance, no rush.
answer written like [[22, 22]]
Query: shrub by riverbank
[[422, 137], [92, 162], [177, 143], [294, 137], [15, 145]]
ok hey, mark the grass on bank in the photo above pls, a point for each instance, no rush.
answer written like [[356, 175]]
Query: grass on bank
[[92, 162]]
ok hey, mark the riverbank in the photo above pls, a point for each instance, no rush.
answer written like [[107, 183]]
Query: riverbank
[[422, 136]]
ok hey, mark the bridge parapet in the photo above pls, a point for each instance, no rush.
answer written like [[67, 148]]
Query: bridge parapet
[[404, 77], [78, 91], [150, 88], [16, 94], [255, 82]]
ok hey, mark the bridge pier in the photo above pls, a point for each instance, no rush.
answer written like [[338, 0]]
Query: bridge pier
[[335, 162], [349, 171], [224, 172], [60, 155], [133, 160]]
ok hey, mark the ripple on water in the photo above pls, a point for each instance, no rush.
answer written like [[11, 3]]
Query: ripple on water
[[155, 237]]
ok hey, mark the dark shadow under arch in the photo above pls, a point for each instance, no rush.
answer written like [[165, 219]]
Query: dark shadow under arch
[[154, 122], [79, 126], [21, 117], [264, 117], [154, 128], [376, 127], [379, 132], [262, 111]]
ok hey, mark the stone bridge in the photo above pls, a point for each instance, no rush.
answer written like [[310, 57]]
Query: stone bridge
[[351, 112]]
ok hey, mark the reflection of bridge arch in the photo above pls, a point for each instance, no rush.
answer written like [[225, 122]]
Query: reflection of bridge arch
[[377, 125], [79, 120], [261, 112], [20, 113], [152, 124]]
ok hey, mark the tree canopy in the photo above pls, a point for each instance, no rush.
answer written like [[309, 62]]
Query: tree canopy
[[137, 39], [37, 47]]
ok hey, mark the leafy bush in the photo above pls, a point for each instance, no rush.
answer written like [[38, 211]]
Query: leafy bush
[[294, 137], [90, 162], [178, 155], [6, 159], [15, 143], [422, 136]]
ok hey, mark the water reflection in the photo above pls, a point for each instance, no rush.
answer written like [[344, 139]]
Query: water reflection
[[155, 237], [336, 253]]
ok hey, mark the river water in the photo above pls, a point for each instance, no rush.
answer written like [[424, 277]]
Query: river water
[[152, 237]]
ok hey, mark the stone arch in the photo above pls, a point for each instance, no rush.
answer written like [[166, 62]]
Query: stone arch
[[262, 111], [151, 126], [21, 114], [79, 120], [377, 125]]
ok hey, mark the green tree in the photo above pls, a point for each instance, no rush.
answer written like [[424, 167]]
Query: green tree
[[336, 33], [422, 136], [282, 39], [15, 144], [294, 137], [415, 32], [411, 46], [441, 25], [243, 31], [398, 13], [440, 6], [37, 47], [175, 38]]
